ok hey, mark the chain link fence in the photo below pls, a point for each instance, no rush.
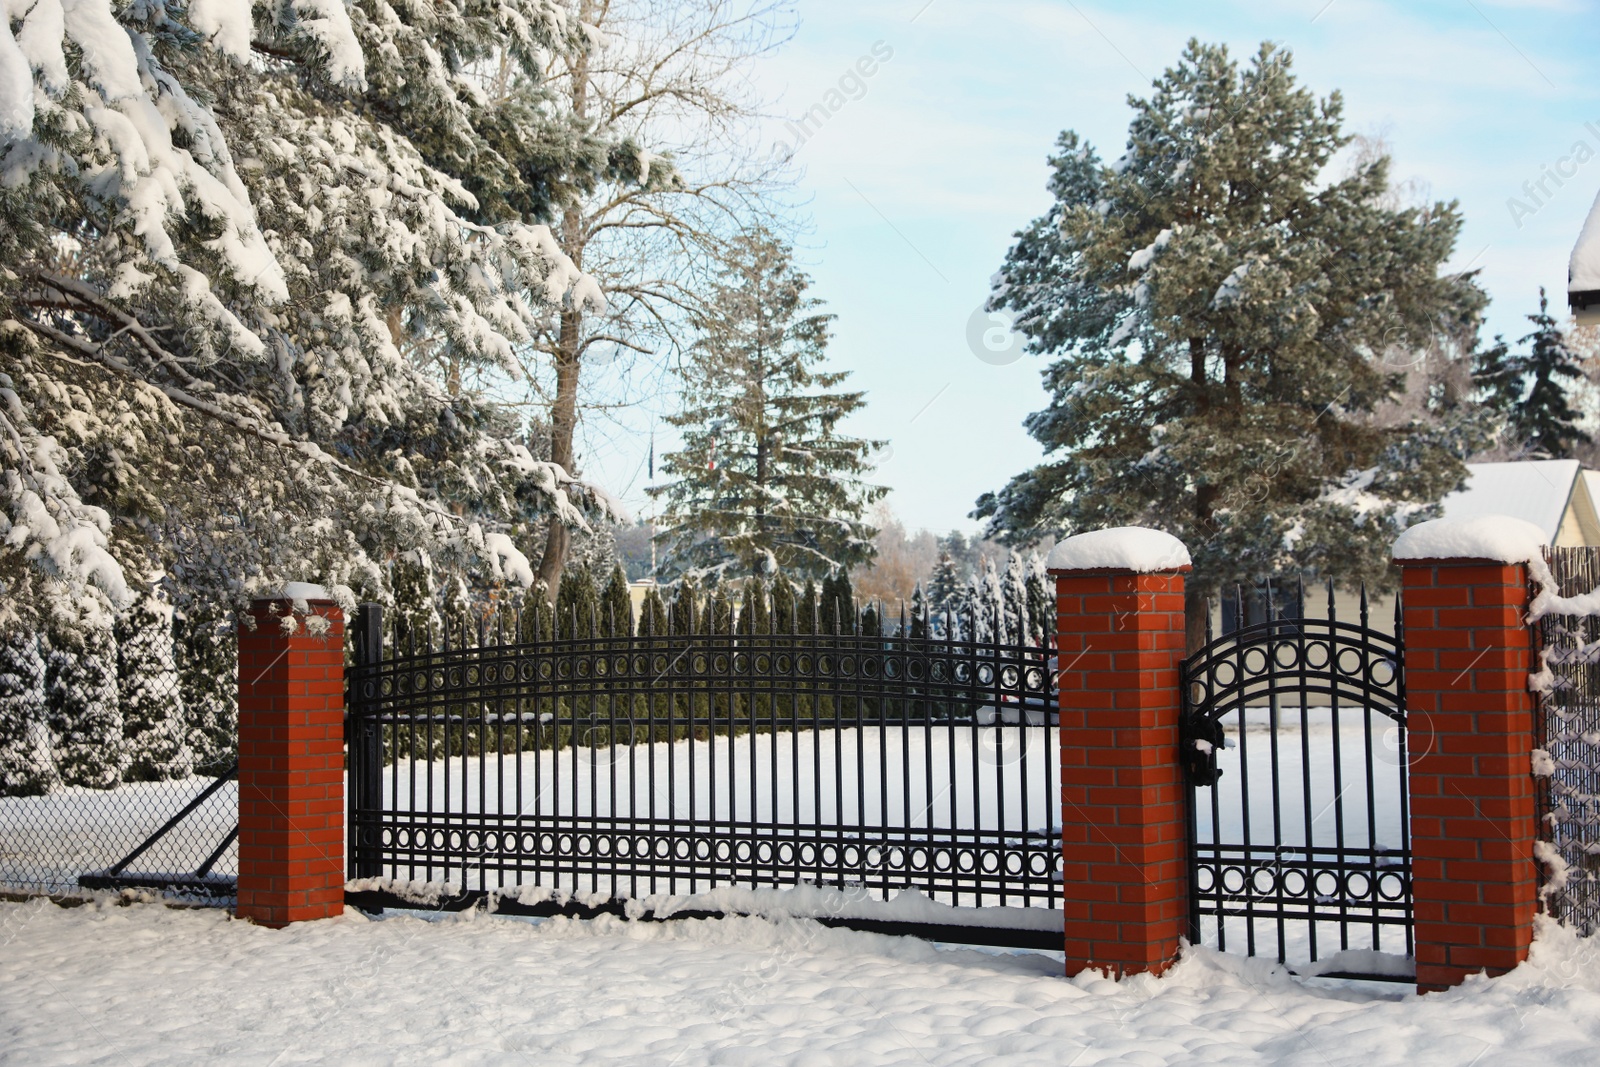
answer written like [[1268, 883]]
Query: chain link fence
[[1567, 763], [107, 737]]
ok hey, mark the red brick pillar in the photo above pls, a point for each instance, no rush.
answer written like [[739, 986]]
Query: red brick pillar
[[1120, 641], [291, 759], [1470, 723]]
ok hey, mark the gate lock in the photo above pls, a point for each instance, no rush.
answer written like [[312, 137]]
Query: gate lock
[[1199, 739]]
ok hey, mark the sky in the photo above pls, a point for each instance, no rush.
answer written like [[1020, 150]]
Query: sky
[[914, 187]]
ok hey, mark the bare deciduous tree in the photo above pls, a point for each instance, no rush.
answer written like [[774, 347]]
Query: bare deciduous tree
[[668, 75]]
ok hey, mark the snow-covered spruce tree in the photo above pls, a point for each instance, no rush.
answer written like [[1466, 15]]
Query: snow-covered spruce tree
[[836, 604], [81, 706], [755, 609], [783, 605], [1531, 391], [1041, 602], [918, 621], [25, 765], [1214, 306], [616, 605], [806, 620], [1014, 598], [206, 652], [653, 614], [764, 479], [223, 228], [153, 719], [944, 587], [578, 606]]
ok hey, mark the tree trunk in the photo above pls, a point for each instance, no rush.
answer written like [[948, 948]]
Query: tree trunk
[[1195, 596], [564, 415], [1196, 605], [563, 425]]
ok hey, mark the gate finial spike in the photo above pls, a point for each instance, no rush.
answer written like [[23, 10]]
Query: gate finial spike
[[1208, 621], [1363, 604], [1331, 617]]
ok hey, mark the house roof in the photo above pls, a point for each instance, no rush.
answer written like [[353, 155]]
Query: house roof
[[1537, 491], [1583, 269]]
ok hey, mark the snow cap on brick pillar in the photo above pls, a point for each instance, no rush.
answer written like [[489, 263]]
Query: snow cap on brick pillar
[[1119, 643], [1470, 724], [291, 757]]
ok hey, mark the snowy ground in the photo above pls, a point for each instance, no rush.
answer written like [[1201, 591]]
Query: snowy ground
[[147, 985]]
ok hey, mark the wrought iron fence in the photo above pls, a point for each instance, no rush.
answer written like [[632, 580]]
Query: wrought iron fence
[[1569, 728], [622, 767], [1294, 745], [114, 771]]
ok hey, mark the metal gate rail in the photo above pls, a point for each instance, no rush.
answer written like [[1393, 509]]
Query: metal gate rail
[[605, 769]]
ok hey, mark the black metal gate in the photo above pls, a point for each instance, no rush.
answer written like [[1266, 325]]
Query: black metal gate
[[593, 773], [1294, 742]]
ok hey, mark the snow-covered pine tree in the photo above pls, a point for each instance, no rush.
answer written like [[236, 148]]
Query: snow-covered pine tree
[[578, 606], [836, 604], [616, 605], [945, 586], [1041, 602], [415, 591], [653, 614], [990, 590], [1215, 307], [26, 768], [1531, 391], [154, 725], [744, 622], [805, 609], [212, 314], [783, 605], [685, 614], [755, 613], [919, 613], [872, 620], [764, 478], [719, 608], [968, 620], [81, 706], [1014, 600], [206, 652], [761, 601]]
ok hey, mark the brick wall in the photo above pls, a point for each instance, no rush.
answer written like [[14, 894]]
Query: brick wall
[[1120, 641], [291, 764], [1470, 724]]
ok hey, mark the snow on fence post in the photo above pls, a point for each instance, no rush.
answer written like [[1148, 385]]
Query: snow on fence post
[[291, 758], [1120, 642], [1469, 655]]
